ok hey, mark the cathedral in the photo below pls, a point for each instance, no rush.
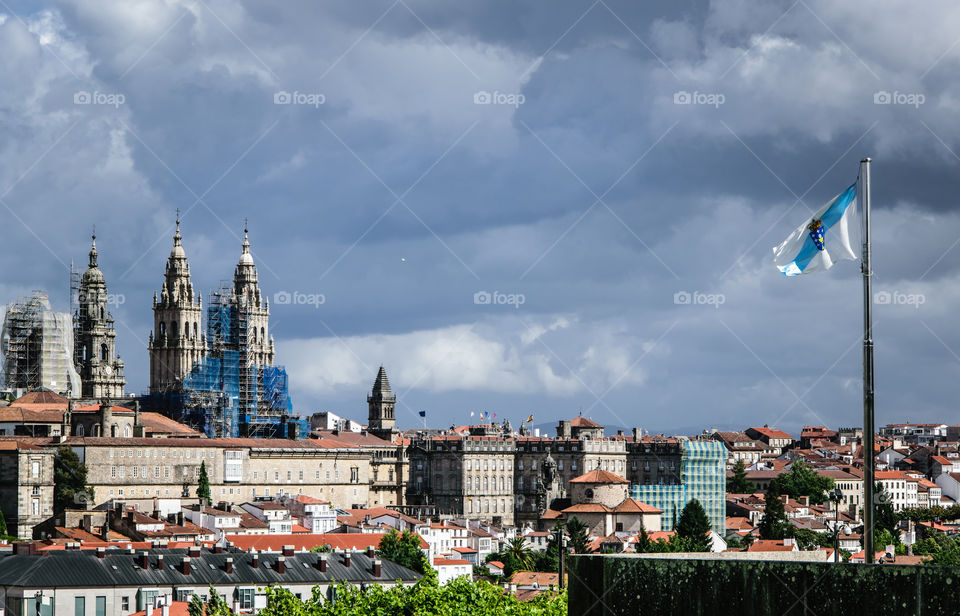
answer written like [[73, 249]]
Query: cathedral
[[100, 370]]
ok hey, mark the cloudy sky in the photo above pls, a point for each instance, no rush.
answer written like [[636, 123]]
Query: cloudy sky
[[585, 165]]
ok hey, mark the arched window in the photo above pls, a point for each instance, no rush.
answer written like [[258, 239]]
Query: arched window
[[103, 352], [263, 338], [126, 431], [163, 329], [194, 329], [186, 330], [101, 312], [174, 331], [80, 430], [113, 431]]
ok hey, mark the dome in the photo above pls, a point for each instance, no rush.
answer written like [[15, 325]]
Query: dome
[[245, 257]]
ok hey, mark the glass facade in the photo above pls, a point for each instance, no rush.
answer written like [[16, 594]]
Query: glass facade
[[703, 476]]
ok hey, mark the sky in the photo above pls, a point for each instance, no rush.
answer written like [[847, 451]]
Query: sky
[[507, 203]]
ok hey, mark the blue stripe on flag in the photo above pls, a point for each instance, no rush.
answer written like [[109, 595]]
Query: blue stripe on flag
[[830, 217]]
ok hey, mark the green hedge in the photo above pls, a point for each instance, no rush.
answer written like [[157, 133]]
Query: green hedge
[[613, 585]]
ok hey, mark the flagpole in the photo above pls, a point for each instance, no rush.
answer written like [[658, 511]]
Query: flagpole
[[868, 455]]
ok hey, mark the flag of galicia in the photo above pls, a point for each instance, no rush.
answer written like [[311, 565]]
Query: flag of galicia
[[821, 241]]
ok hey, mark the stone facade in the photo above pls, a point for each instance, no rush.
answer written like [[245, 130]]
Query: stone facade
[[444, 469], [177, 339], [239, 469], [100, 370], [26, 486]]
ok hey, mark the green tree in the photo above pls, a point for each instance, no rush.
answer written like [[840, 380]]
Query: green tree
[[203, 489], [215, 605], [69, 480], [884, 516], [549, 559], [694, 526], [774, 524], [404, 549], [739, 484], [579, 539], [811, 540], [325, 548], [643, 539], [521, 553], [803, 480]]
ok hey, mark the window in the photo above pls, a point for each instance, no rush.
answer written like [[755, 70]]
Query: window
[[289, 473], [184, 594], [36, 490], [113, 472], [354, 474], [102, 605], [35, 468], [36, 506], [136, 472], [276, 475], [79, 606], [125, 604], [245, 595]]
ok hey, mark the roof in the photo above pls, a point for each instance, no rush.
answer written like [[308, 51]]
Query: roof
[[82, 568], [177, 608], [156, 423], [41, 396], [771, 432], [770, 545], [583, 422], [540, 578], [348, 438], [495, 563], [309, 500], [449, 562], [342, 541], [631, 505], [599, 476]]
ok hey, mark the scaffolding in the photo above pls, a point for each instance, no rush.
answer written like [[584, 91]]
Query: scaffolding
[[37, 347], [227, 393]]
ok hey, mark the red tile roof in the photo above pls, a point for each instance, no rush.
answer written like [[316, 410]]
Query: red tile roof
[[583, 422], [599, 476], [177, 608], [631, 505], [446, 562]]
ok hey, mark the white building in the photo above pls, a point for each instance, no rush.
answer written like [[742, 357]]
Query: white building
[[277, 516], [314, 514], [450, 568]]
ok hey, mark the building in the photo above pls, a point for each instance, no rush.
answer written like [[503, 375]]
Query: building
[[37, 347], [177, 341], [900, 487], [234, 390], [239, 470], [26, 486], [702, 476], [916, 433], [778, 440], [120, 582], [314, 514], [94, 355]]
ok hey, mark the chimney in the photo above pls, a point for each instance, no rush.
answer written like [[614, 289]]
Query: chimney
[[619, 432], [256, 560], [346, 559], [193, 551], [217, 548], [637, 434], [159, 562], [87, 523], [788, 541], [143, 560], [805, 501], [281, 564], [165, 609], [236, 607], [785, 498], [376, 567], [185, 565], [130, 516], [156, 514], [287, 550], [371, 551], [101, 553], [322, 563], [180, 518], [228, 566]]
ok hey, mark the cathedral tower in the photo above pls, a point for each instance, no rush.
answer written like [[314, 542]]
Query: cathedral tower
[[253, 312], [177, 340], [101, 371], [381, 422]]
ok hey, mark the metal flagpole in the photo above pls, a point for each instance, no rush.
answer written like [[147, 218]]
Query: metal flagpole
[[868, 454]]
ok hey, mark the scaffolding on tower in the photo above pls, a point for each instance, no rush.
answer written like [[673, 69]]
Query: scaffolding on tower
[[37, 347]]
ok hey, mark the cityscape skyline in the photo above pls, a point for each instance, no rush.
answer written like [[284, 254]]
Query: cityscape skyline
[[569, 212]]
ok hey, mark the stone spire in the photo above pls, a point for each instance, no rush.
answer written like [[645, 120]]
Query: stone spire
[[93, 250], [381, 421]]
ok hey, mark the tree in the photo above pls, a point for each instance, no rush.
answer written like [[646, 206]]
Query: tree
[[694, 526], [215, 605], [803, 480], [739, 484], [578, 536], [404, 549], [521, 553], [774, 524], [69, 480], [549, 559], [643, 539], [322, 549], [203, 489], [885, 518]]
